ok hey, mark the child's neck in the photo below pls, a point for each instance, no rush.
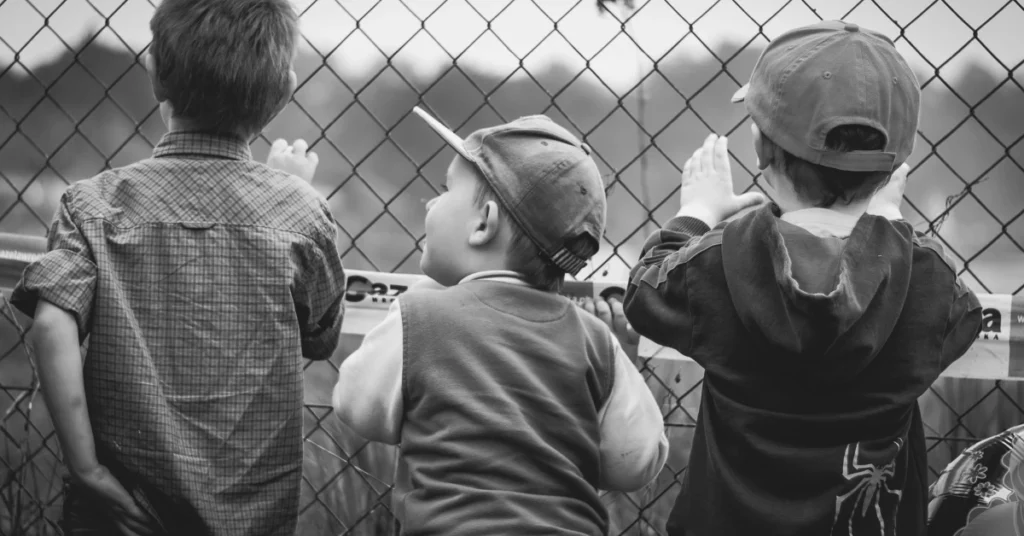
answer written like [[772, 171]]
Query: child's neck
[[788, 200], [790, 204], [483, 262], [489, 265], [853, 209], [183, 124]]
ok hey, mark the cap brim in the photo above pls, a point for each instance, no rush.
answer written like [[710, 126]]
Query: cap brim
[[446, 133], [741, 94]]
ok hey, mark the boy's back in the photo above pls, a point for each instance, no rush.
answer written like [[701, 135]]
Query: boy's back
[[815, 350], [501, 433], [202, 278], [511, 405]]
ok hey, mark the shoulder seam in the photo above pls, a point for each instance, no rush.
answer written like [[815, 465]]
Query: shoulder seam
[[706, 242], [932, 245], [612, 377], [404, 311]]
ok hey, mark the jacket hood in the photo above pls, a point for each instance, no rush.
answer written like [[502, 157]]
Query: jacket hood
[[825, 305]]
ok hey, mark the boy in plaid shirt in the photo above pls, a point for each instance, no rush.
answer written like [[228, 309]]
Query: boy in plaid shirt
[[202, 278]]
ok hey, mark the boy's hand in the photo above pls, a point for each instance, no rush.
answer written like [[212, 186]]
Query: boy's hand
[[887, 200], [121, 507], [293, 159], [611, 313], [706, 192]]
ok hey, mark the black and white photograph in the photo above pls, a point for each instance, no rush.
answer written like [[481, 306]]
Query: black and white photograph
[[511, 267]]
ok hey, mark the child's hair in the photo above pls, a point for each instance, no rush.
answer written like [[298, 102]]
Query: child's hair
[[824, 186], [525, 257], [224, 63]]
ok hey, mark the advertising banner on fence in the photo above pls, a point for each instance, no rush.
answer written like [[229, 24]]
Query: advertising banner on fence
[[998, 353]]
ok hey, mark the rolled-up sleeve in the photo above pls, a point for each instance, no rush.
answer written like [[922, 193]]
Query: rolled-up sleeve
[[319, 293], [634, 446], [66, 275], [368, 395]]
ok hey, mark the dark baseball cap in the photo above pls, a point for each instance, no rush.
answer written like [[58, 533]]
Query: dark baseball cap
[[815, 78], [544, 178]]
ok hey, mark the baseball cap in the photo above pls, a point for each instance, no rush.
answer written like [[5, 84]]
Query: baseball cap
[[815, 78], [543, 177]]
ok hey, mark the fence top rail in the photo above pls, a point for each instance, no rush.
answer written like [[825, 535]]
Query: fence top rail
[[16, 252], [998, 353]]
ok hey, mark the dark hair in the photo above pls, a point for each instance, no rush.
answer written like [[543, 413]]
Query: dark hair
[[224, 63], [525, 257], [825, 186]]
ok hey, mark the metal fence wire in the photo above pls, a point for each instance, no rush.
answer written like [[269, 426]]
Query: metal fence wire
[[641, 82]]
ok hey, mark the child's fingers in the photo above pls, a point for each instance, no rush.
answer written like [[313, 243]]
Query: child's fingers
[[893, 190], [278, 146], [299, 147], [618, 316], [313, 158], [131, 517], [900, 176], [588, 306], [634, 337], [749, 199], [604, 312], [688, 169], [707, 155], [722, 157], [695, 167]]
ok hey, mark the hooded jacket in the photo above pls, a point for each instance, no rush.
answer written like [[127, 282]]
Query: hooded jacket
[[815, 350]]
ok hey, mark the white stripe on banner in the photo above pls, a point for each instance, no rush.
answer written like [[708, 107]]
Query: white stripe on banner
[[997, 355]]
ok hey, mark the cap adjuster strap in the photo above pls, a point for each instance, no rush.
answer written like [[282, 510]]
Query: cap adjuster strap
[[568, 261], [862, 161]]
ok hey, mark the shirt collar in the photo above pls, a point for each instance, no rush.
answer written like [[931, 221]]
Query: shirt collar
[[202, 144], [822, 221], [503, 276]]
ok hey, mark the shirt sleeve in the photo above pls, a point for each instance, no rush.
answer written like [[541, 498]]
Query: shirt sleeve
[[368, 395], [964, 319], [657, 302], [962, 326], [634, 446], [66, 275], [319, 294]]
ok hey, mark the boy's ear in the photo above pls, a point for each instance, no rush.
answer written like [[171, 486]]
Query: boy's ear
[[293, 82], [486, 228], [761, 148], [158, 88]]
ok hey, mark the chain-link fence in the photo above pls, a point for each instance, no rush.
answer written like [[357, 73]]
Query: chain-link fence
[[642, 82]]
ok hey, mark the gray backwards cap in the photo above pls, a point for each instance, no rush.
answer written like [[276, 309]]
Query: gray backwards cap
[[543, 177], [815, 78]]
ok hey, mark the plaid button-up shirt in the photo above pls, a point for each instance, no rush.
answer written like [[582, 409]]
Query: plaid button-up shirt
[[202, 278]]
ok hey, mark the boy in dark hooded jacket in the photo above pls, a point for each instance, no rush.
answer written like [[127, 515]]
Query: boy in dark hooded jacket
[[819, 319]]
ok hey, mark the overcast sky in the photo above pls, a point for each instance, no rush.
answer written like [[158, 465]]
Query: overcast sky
[[519, 27]]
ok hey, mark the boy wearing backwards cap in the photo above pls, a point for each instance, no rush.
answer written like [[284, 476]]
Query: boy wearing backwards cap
[[819, 320], [511, 404]]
